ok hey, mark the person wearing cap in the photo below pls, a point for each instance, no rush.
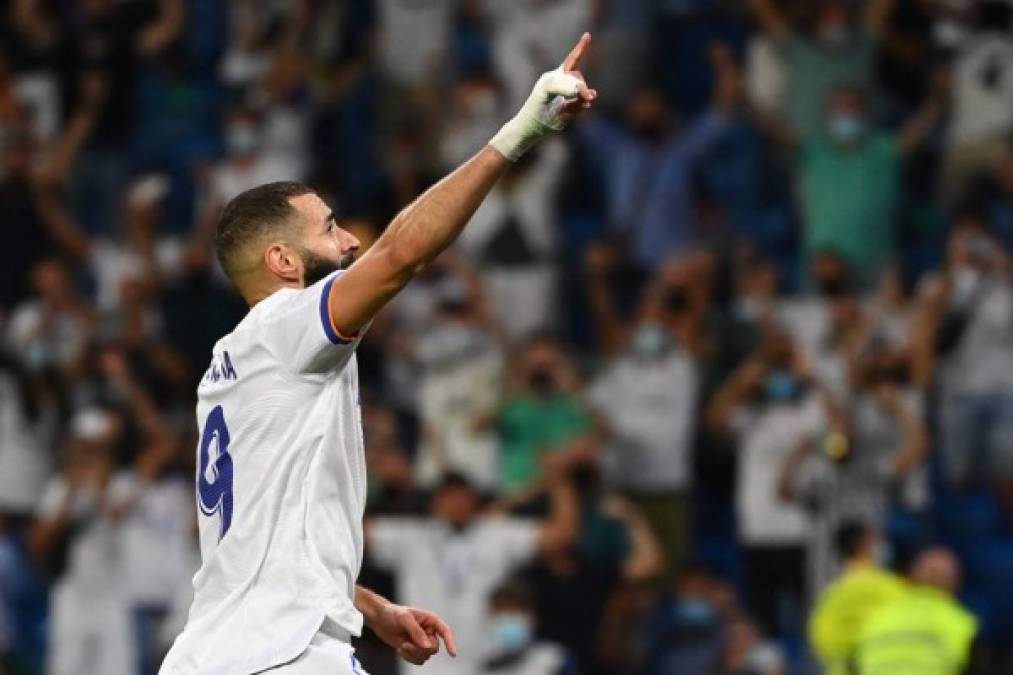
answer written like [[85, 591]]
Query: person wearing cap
[[926, 631], [844, 606]]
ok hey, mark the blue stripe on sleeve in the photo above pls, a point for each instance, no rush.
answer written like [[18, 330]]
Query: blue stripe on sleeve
[[325, 315]]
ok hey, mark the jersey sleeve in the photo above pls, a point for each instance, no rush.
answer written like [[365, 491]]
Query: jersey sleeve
[[300, 332]]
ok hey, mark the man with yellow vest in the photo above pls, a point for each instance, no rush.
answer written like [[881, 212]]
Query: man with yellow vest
[[842, 609], [926, 632]]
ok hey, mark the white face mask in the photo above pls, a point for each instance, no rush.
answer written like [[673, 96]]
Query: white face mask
[[965, 282], [650, 341], [846, 128], [242, 139]]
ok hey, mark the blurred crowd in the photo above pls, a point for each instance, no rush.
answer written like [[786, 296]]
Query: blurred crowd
[[720, 382]]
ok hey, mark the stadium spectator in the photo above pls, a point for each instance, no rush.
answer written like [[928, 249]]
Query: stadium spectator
[[148, 504], [873, 461], [863, 586], [24, 214], [970, 306], [646, 396], [111, 44], [926, 629], [512, 241], [615, 548], [75, 542], [52, 330], [849, 176], [646, 164], [516, 647], [982, 96], [542, 412], [772, 405], [699, 628], [460, 365], [838, 49], [453, 559], [526, 38]]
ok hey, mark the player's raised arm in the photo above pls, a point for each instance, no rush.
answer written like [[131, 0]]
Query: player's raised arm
[[434, 220]]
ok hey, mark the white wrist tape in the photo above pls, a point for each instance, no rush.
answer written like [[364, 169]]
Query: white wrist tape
[[538, 116]]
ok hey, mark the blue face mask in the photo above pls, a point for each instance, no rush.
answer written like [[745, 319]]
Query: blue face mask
[[782, 387], [846, 128], [694, 611], [650, 340], [511, 632]]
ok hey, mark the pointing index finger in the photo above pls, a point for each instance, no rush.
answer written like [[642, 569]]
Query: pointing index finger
[[573, 58]]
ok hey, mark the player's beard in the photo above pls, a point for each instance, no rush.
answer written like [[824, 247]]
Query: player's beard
[[317, 267]]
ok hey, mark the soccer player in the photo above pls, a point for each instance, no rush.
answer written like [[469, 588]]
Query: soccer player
[[281, 477]]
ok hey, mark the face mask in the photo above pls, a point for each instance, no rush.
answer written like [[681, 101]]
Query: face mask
[[832, 287], [242, 139], [694, 611], [512, 632], [845, 128], [965, 283], [37, 357], [650, 341], [676, 299], [782, 387], [543, 382], [835, 36], [748, 309], [883, 554]]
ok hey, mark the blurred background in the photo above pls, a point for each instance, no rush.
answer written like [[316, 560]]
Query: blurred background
[[719, 382]]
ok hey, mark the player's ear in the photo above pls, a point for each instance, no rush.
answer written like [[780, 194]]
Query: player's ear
[[282, 260]]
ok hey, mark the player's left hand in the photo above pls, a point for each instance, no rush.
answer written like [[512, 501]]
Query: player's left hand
[[414, 633]]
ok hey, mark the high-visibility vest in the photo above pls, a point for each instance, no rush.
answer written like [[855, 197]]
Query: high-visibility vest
[[842, 610], [925, 633]]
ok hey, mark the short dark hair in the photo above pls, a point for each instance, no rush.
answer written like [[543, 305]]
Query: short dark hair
[[253, 213], [851, 537], [513, 592], [454, 480]]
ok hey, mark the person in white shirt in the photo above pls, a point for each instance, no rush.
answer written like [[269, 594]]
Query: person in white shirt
[[771, 405], [74, 540], [454, 559], [281, 468], [982, 101]]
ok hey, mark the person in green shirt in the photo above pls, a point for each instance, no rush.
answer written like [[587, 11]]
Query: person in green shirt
[[926, 631], [849, 176], [845, 605], [544, 413], [839, 48]]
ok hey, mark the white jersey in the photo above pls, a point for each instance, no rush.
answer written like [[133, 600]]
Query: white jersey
[[281, 488]]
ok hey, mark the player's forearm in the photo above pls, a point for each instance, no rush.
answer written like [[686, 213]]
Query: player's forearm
[[369, 603], [433, 221]]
